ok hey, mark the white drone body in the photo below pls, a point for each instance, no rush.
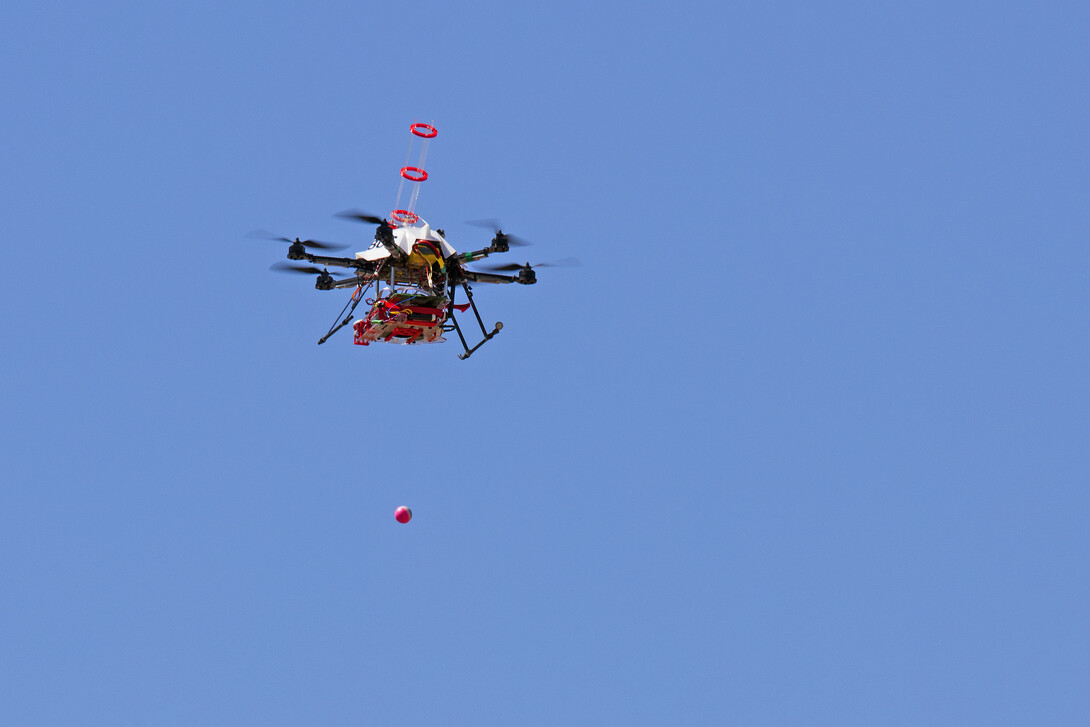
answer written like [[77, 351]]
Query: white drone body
[[406, 238]]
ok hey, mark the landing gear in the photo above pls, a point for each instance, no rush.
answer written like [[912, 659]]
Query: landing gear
[[458, 329]]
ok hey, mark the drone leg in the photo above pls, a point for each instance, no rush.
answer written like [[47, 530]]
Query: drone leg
[[457, 328], [335, 328], [486, 339], [484, 331], [487, 335], [353, 302]]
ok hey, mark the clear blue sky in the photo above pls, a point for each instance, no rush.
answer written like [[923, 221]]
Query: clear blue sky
[[804, 440]]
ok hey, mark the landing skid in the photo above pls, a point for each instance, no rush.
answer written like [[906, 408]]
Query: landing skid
[[350, 308], [458, 329]]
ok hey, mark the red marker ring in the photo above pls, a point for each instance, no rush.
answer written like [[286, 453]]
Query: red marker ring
[[424, 131], [414, 174], [405, 217]]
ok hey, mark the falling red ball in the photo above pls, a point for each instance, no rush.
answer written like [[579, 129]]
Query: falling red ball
[[403, 514]]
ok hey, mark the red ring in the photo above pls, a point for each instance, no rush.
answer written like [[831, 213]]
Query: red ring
[[420, 174], [424, 131], [405, 217]]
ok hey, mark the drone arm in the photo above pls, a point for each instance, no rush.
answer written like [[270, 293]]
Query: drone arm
[[468, 257], [477, 277], [340, 262], [352, 282]]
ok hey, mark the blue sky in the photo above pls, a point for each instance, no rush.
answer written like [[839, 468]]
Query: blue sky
[[802, 441]]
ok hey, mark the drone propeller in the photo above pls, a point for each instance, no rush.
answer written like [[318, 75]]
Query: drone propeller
[[283, 267], [494, 225], [358, 216], [568, 262], [318, 245]]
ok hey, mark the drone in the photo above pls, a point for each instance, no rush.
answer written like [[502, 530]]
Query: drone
[[409, 277]]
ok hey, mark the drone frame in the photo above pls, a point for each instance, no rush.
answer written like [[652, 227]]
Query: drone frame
[[368, 274]]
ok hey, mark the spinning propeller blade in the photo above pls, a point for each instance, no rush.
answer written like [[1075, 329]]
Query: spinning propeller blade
[[316, 244], [358, 216], [487, 223], [494, 225], [510, 267], [568, 262], [283, 267]]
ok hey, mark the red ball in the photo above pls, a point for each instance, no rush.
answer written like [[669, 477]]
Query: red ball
[[403, 514]]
